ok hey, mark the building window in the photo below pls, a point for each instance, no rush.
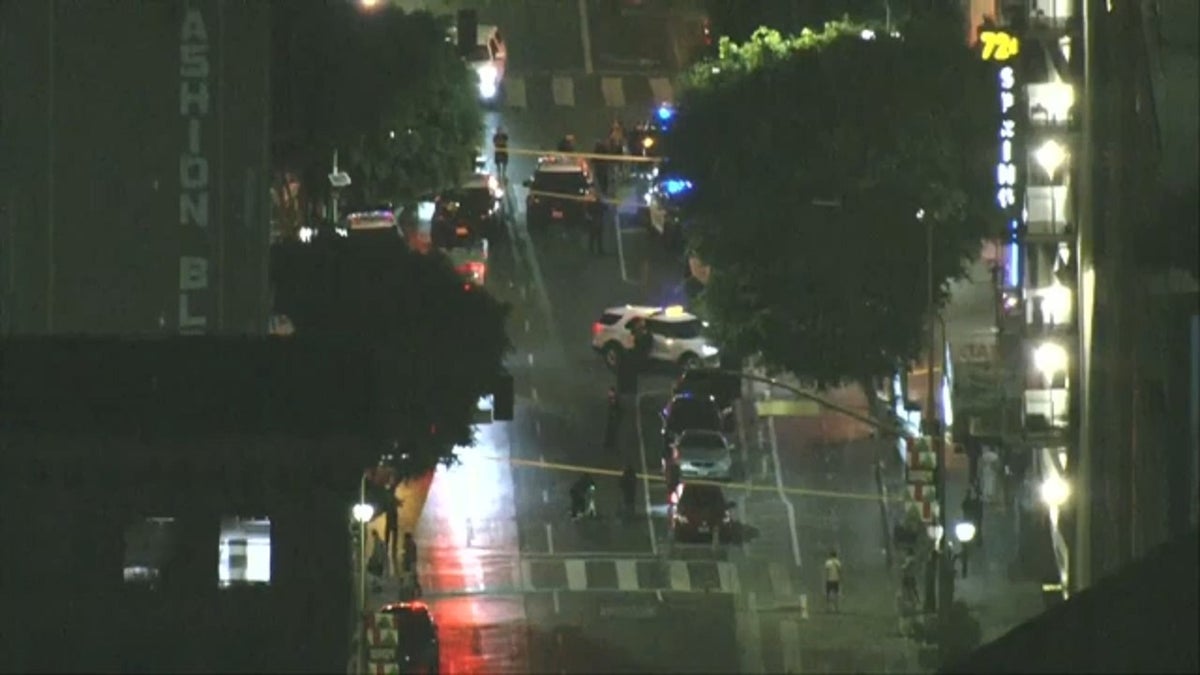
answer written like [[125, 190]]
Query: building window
[[149, 544], [245, 551]]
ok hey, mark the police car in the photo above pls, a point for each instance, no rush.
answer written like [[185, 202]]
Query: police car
[[678, 336]]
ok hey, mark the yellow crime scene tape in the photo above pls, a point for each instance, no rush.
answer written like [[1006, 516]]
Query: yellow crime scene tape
[[802, 492]]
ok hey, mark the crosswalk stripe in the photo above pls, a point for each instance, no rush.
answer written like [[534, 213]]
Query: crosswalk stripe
[[781, 581], [564, 91], [663, 91], [577, 575], [681, 580], [514, 92], [614, 92], [789, 639], [627, 579]]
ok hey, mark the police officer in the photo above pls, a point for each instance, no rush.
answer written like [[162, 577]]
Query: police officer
[[500, 148], [613, 422], [594, 221], [628, 489]]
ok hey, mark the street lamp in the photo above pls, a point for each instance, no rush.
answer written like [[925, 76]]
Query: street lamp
[[1050, 359], [1054, 491], [1050, 156], [363, 513], [368, 4]]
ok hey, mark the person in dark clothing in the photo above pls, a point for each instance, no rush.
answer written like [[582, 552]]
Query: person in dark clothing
[[629, 490], [582, 499], [674, 477], [972, 507], [391, 525], [500, 146], [600, 166], [567, 144], [613, 422], [908, 579], [410, 564], [643, 343], [594, 220]]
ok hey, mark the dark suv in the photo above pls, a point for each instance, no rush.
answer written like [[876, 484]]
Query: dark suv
[[561, 191], [417, 650], [688, 411]]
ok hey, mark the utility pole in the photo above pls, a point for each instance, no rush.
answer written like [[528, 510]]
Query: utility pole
[[943, 564]]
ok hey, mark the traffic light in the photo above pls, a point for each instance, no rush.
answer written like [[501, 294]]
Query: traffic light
[[502, 398], [468, 30]]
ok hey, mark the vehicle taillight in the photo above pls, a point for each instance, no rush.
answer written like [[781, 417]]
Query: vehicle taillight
[[597, 327], [474, 270]]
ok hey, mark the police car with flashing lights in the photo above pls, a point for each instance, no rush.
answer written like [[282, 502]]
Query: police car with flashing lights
[[678, 336], [663, 208]]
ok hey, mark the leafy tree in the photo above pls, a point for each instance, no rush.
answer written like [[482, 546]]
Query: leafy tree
[[383, 87], [812, 157], [439, 342]]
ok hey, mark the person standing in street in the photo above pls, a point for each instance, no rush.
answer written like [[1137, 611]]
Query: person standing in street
[[972, 507], [391, 526], [613, 422], [833, 582], [500, 150], [594, 220], [989, 467], [629, 490], [908, 579], [410, 564], [600, 166]]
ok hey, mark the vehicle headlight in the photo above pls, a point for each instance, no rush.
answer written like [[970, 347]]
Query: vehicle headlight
[[708, 350], [487, 80]]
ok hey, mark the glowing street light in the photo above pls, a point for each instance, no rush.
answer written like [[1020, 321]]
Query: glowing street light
[[368, 4], [1054, 491], [1050, 358], [964, 531], [1050, 156], [363, 513]]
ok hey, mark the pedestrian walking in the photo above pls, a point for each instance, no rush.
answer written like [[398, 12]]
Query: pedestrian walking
[[500, 151], [613, 422], [594, 220], [989, 465], [600, 166], [833, 582], [391, 525], [377, 561], [908, 579], [972, 507], [410, 565], [629, 490]]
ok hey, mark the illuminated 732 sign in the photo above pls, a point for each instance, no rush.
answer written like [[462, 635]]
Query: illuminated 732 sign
[[998, 45]]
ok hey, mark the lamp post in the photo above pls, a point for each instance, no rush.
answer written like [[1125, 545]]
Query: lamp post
[[362, 512], [1050, 156], [1050, 359]]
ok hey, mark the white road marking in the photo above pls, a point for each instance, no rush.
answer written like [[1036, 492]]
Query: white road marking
[[789, 640], [545, 496], [557, 609], [659, 594], [748, 636], [614, 91], [576, 575], [526, 325], [728, 575], [662, 89], [564, 90], [533, 394], [550, 538], [627, 575], [781, 580], [537, 427], [637, 418], [523, 292], [783, 497], [530, 358], [680, 579], [514, 92]]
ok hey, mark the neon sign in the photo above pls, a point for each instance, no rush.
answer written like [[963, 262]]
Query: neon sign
[[998, 45]]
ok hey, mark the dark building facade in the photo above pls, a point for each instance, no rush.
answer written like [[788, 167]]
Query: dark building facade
[[134, 175], [178, 504]]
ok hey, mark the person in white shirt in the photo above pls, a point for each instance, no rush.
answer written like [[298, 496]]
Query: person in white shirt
[[833, 581]]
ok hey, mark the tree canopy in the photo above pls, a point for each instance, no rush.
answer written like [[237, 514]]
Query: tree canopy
[[818, 162], [440, 343], [383, 87]]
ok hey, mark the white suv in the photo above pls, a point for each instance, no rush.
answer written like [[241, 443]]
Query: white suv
[[678, 336]]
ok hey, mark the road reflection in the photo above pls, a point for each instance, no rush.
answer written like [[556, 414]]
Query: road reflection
[[467, 538]]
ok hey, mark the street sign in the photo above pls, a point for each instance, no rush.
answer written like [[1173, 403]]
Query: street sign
[[779, 407]]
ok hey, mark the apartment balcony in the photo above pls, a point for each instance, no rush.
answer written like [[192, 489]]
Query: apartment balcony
[[1047, 216]]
